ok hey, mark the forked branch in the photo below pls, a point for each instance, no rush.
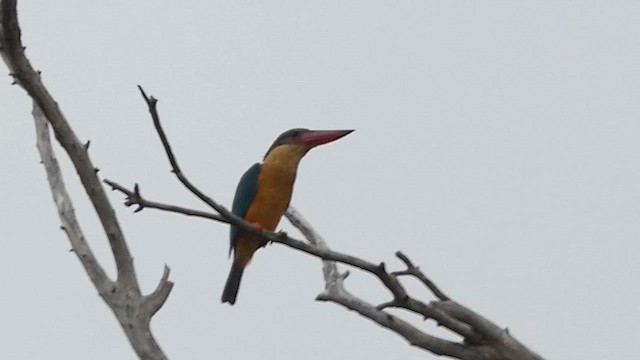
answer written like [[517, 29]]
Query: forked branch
[[122, 295], [481, 338]]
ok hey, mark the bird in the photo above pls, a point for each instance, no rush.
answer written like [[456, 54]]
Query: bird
[[263, 195]]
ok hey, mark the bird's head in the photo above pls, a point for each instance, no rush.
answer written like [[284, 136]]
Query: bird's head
[[303, 140]]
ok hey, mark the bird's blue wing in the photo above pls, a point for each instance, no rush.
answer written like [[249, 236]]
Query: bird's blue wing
[[245, 192]]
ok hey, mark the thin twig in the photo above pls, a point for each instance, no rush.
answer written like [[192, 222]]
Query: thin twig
[[134, 197], [415, 271], [175, 167]]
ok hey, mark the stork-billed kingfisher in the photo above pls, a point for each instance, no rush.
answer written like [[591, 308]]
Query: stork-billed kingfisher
[[263, 195]]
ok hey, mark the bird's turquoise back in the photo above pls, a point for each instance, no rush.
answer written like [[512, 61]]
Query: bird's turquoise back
[[245, 193]]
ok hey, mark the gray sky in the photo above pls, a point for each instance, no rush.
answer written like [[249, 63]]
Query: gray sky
[[496, 143]]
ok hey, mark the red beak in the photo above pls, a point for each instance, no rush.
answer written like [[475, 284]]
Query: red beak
[[314, 138]]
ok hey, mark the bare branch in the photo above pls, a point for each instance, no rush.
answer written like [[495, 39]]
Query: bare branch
[[428, 311], [415, 271], [29, 79], [225, 214], [482, 338], [379, 270], [501, 341], [123, 295], [490, 330], [135, 198], [117, 295], [158, 297], [329, 268], [335, 292], [64, 204], [175, 167], [412, 334]]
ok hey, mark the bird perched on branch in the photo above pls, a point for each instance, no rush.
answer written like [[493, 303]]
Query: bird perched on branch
[[263, 195]]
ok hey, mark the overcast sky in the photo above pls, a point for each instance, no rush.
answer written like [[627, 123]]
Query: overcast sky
[[496, 144]]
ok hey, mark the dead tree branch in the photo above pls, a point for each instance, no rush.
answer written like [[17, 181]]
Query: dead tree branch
[[123, 296], [480, 338], [133, 197], [415, 271], [152, 104]]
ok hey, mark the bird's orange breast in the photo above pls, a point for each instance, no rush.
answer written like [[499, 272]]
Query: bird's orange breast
[[275, 185], [272, 198]]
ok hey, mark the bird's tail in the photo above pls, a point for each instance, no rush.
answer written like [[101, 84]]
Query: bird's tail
[[230, 291]]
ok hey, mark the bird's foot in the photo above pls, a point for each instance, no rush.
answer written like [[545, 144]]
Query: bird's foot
[[257, 226]]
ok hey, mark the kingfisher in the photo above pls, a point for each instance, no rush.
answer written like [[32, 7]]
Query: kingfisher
[[263, 195]]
